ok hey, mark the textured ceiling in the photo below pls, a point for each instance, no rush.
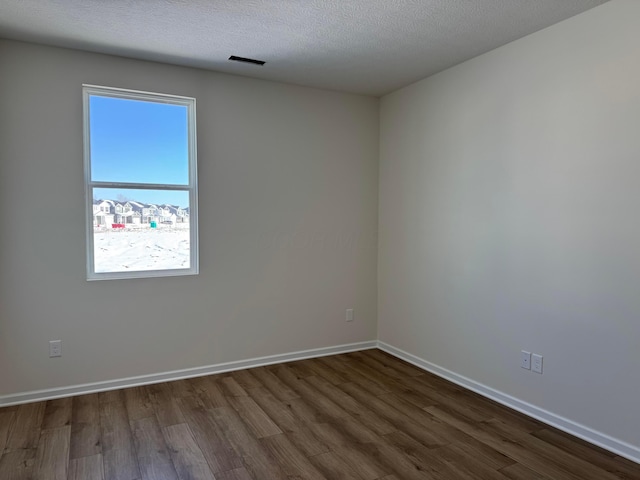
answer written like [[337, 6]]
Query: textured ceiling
[[363, 46]]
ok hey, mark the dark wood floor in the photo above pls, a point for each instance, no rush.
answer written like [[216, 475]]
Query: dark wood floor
[[360, 416]]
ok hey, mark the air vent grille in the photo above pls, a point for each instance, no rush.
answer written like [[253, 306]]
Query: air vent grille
[[246, 60]]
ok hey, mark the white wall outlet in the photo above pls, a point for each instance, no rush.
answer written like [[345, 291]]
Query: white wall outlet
[[525, 359], [55, 348], [349, 317], [536, 364]]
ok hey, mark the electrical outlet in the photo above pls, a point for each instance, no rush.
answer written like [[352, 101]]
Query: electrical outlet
[[536, 364], [525, 359], [55, 348], [349, 317]]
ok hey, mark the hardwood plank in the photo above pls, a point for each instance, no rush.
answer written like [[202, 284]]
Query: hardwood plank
[[85, 427], [283, 416], [138, 403], [351, 375], [182, 388], [306, 412], [401, 421], [254, 417], [345, 427], [357, 431], [301, 369], [231, 388], [258, 462], [52, 454], [280, 390], [17, 464], [24, 432], [57, 413], [310, 394], [352, 453], [437, 396], [387, 360], [245, 379], [152, 451], [422, 393], [461, 409], [378, 366], [119, 457], [434, 390], [236, 474], [416, 398], [505, 446], [480, 453], [165, 404], [445, 386], [333, 467], [86, 468], [464, 466], [148, 440], [120, 464], [292, 461], [208, 391], [187, 457], [444, 462], [355, 408], [520, 472], [627, 462], [596, 456], [216, 449], [547, 452], [7, 418], [114, 423], [493, 409], [410, 459], [362, 371], [110, 396], [157, 471], [434, 425], [335, 364], [320, 369]]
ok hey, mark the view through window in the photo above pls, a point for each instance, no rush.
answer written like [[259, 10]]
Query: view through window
[[140, 171]]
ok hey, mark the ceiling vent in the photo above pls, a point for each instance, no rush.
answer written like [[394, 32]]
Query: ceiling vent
[[246, 60]]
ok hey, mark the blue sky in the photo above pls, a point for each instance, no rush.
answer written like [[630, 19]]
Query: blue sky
[[140, 142]]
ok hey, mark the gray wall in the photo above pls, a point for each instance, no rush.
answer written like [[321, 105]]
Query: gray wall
[[288, 219], [509, 194]]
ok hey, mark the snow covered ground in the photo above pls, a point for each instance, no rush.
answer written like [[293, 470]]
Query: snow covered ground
[[141, 248]]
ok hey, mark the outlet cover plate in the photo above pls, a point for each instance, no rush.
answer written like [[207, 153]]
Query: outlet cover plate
[[525, 360], [55, 348], [536, 363]]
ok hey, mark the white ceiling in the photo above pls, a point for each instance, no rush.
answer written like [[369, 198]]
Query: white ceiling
[[364, 46]]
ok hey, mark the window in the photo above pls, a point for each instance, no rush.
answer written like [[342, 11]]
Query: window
[[139, 152]]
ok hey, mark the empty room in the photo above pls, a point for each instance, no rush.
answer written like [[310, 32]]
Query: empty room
[[369, 239]]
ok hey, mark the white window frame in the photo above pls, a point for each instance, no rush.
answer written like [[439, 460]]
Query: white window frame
[[192, 187]]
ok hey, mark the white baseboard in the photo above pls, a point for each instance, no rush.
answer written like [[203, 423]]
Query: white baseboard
[[49, 394], [600, 439]]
